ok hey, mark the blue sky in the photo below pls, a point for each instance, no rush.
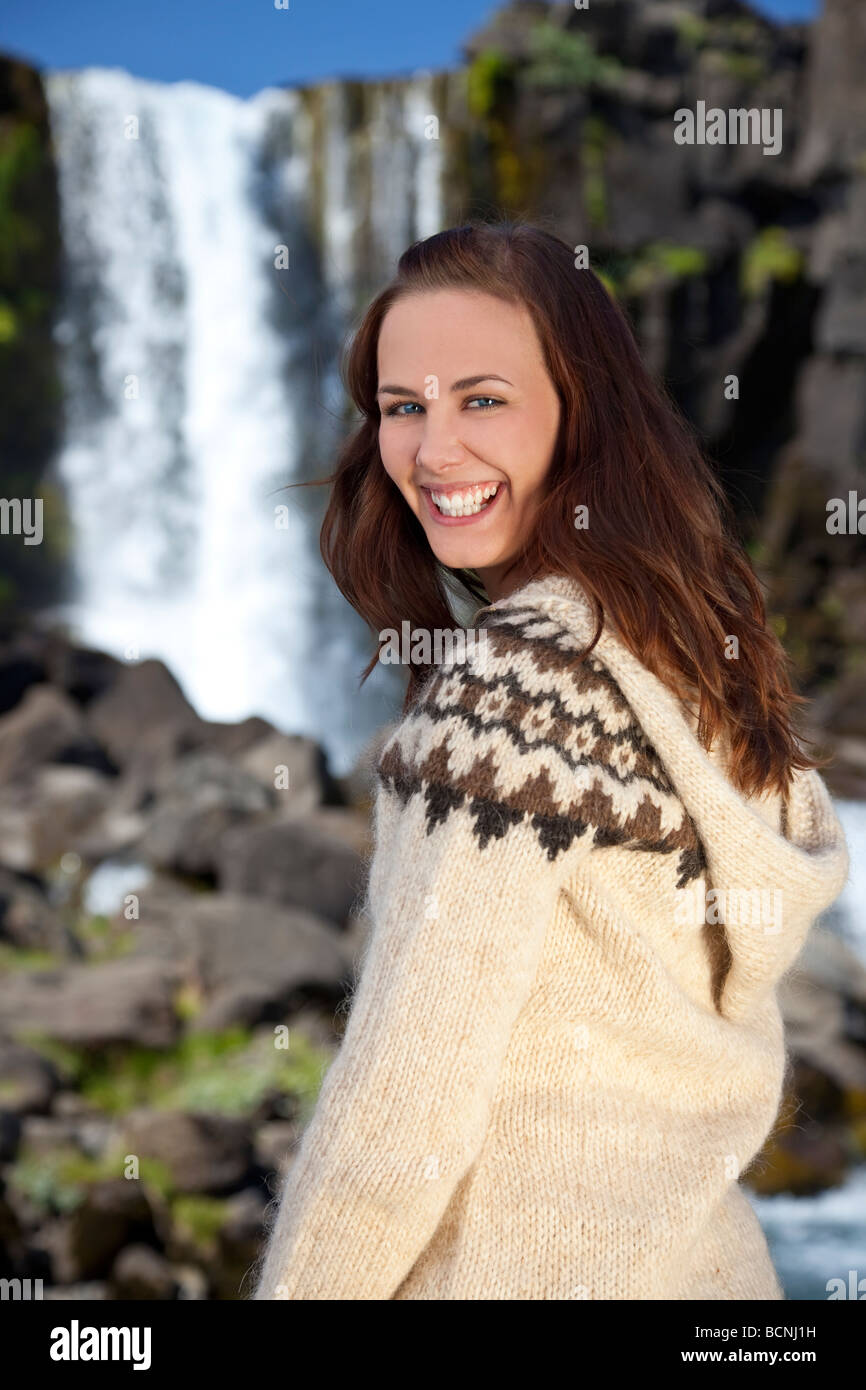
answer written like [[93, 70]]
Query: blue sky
[[244, 45]]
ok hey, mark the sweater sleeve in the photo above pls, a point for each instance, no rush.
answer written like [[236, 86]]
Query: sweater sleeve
[[479, 818]]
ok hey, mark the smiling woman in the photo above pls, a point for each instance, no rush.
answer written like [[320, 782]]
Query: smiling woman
[[555, 1068], [472, 467], [574, 420]]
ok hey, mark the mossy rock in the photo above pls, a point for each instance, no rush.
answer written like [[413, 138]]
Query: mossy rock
[[30, 388]]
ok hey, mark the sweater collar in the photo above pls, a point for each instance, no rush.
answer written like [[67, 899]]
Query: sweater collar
[[745, 848]]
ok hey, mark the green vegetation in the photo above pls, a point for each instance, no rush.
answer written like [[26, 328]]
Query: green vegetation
[[562, 59], [22, 958], [730, 46], [490, 94], [595, 140], [740, 31], [8, 323], [656, 264], [198, 1219], [56, 1180], [770, 256], [102, 939], [490, 82], [745, 67], [609, 283], [692, 31], [662, 262], [227, 1073], [20, 160]]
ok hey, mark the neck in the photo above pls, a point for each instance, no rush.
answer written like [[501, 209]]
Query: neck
[[501, 580]]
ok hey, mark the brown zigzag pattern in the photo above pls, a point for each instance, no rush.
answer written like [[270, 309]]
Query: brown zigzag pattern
[[533, 691]]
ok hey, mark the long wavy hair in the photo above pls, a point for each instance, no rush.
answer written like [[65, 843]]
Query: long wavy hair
[[661, 555]]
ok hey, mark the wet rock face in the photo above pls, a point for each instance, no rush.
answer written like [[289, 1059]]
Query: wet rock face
[[29, 287], [836, 136]]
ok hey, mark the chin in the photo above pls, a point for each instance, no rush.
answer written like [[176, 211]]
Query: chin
[[467, 561]]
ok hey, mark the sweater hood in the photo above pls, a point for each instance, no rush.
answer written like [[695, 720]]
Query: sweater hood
[[795, 857]]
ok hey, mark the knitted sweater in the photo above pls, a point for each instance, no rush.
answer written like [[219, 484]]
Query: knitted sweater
[[565, 1045]]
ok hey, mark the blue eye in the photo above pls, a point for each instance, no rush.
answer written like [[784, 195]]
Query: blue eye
[[477, 402]]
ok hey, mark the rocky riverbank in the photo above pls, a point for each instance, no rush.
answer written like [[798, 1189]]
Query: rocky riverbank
[[178, 932]]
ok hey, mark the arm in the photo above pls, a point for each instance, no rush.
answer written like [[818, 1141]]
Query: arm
[[472, 849]]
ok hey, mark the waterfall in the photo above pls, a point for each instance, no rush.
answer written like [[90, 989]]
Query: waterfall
[[200, 374]]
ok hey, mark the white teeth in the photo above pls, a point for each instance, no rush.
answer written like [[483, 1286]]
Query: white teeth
[[465, 503]]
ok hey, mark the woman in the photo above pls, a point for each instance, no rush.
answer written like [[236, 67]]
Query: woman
[[598, 845]]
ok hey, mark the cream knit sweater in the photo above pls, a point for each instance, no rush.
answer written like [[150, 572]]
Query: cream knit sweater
[[565, 1044]]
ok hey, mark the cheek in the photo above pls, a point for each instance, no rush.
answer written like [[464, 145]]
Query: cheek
[[397, 460], [392, 442], [386, 448], [526, 445]]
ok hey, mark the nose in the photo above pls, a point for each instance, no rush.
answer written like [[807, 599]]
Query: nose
[[439, 447]]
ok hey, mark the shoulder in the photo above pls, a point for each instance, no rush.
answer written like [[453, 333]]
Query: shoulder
[[527, 728]]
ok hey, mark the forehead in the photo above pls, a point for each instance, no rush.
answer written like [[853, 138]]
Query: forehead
[[452, 330]]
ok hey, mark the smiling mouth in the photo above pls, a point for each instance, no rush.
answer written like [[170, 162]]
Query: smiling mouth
[[466, 501]]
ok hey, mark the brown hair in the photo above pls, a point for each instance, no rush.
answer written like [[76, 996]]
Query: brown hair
[[660, 555]]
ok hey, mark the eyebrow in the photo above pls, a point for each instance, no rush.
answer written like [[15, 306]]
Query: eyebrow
[[462, 385]]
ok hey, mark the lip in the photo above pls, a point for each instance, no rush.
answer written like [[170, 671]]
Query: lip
[[443, 520]]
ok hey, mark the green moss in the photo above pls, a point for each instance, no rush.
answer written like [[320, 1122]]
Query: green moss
[[227, 1073], [19, 958], [9, 326], [70, 1062], [770, 256], [680, 261], [745, 67], [102, 940], [609, 283], [662, 262], [738, 30], [489, 79], [199, 1219], [56, 1180], [188, 1001], [832, 607], [595, 140], [692, 31], [558, 58], [20, 160]]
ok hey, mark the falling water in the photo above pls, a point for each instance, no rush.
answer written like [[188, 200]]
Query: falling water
[[199, 374]]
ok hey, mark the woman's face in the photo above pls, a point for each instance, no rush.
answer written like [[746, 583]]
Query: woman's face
[[469, 418]]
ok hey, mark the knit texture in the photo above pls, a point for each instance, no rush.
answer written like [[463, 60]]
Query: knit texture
[[565, 1046]]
